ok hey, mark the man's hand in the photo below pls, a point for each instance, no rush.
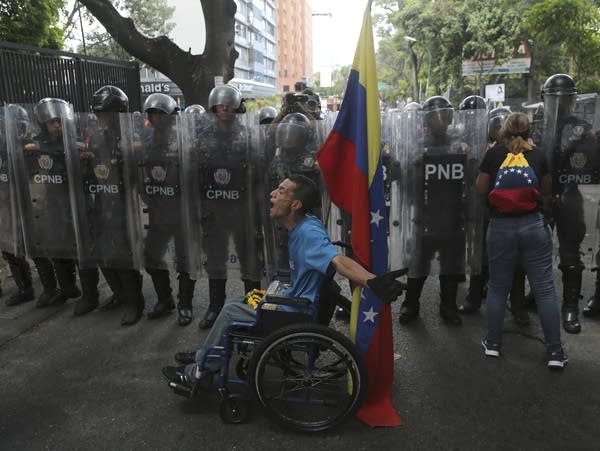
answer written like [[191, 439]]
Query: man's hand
[[386, 287]]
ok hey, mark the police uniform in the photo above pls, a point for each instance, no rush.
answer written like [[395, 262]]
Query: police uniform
[[44, 160], [574, 153], [162, 195], [227, 183], [109, 244]]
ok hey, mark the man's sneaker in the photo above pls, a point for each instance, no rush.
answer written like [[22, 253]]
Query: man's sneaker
[[491, 349], [185, 357], [557, 360], [179, 381]]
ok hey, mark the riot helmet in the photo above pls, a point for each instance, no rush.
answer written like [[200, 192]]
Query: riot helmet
[[413, 106], [293, 132], [194, 109], [225, 95], [51, 108], [472, 103], [110, 99], [561, 88], [496, 120], [161, 103], [559, 85], [195, 114], [266, 115], [438, 113]]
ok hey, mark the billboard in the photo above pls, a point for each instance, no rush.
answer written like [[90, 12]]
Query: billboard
[[520, 63]]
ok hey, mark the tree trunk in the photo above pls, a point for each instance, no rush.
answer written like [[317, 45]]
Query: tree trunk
[[194, 74]]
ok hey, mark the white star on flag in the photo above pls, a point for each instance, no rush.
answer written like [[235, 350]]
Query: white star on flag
[[376, 218], [370, 315]]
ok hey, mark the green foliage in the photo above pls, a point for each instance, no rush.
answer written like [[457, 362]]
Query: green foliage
[[32, 22], [339, 78], [563, 36], [571, 28], [151, 18]]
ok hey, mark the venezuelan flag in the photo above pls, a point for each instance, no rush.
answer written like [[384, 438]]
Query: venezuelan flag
[[350, 163], [516, 188]]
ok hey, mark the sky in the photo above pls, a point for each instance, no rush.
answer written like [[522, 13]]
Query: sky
[[335, 37]]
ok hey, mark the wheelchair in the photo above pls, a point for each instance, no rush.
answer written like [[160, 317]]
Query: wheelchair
[[305, 376]]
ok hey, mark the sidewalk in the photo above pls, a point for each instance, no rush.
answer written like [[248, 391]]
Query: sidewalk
[[88, 383]]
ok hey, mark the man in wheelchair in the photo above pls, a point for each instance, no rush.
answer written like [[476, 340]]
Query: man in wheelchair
[[310, 254]]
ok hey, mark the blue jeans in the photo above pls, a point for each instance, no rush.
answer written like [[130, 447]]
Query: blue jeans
[[234, 310], [526, 240]]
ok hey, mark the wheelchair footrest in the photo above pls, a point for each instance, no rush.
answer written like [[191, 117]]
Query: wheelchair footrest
[[183, 390]]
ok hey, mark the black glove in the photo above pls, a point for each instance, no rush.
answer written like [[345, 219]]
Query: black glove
[[386, 287]]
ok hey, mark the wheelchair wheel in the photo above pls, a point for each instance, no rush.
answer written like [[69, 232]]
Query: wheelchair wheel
[[308, 377], [234, 409]]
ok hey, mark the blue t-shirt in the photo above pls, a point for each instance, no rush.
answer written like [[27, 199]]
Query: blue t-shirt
[[310, 253]]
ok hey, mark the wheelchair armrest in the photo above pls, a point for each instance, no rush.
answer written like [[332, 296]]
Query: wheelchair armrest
[[285, 300]]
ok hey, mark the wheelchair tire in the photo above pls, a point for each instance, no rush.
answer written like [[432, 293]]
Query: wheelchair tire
[[235, 409], [308, 377]]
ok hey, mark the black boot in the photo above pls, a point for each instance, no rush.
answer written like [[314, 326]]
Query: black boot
[[89, 288], [448, 308], [113, 280], [162, 286], [185, 296], [592, 309], [571, 277], [517, 299], [409, 310], [21, 273], [216, 294], [51, 294], [474, 296], [132, 293], [65, 270]]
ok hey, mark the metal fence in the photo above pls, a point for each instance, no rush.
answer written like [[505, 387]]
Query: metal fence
[[28, 74]]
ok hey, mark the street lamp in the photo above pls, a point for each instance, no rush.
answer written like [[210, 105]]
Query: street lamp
[[411, 41]]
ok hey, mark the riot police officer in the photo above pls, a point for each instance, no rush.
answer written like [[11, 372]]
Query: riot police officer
[[437, 190], [477, 282], [48, 223], [10, 242], [20, 127], [472, 103], [228, 203], [573, 150], [162, 196], [266, 115], [103, 194]]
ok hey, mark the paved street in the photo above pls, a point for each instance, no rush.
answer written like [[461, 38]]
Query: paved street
[[88, 383]]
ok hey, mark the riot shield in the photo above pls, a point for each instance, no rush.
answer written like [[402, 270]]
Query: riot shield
[[570, 142], [104, 203], [296, 146], [225, 201], [436, 213], [9, 229], [42, 188], [156, 149], [573, 151]]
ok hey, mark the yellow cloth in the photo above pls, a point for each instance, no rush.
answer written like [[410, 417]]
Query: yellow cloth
[[254, 297], [515, 160]]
